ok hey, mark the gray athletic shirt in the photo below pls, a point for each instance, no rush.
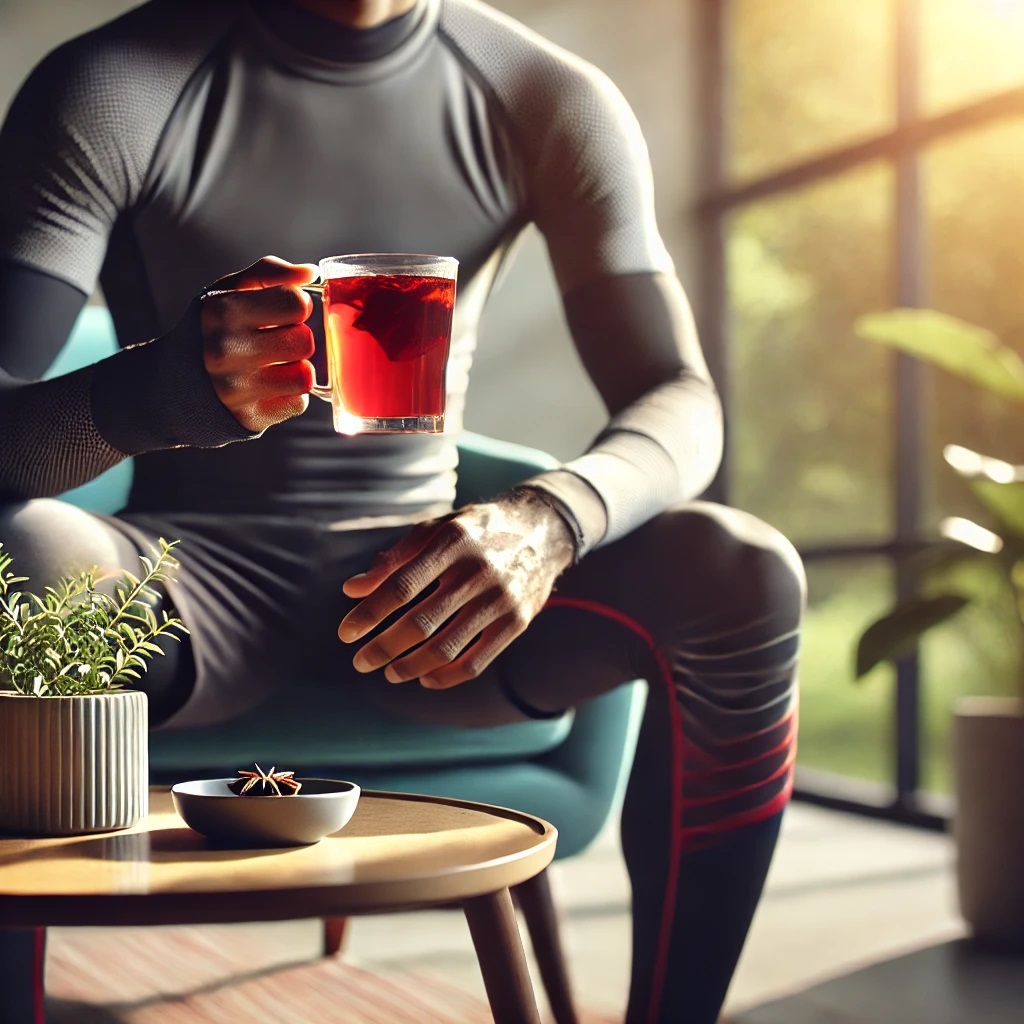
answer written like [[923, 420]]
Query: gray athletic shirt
[[185, 140]]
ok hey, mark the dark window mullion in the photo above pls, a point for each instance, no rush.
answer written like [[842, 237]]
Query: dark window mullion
[[909, 421], [714, 311]]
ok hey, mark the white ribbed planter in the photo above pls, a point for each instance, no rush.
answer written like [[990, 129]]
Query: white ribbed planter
[[988, 749], [70, 765]]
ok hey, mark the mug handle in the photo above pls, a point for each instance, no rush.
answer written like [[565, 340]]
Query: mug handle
[[322, 391]]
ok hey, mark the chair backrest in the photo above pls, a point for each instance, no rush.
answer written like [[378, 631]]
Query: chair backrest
[[91, 340]]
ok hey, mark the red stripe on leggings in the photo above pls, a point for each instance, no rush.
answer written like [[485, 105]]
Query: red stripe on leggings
[[723, 768], [735, 741], [676, 831], [718, 798], [749, 737], [749, 817], [37, 976]]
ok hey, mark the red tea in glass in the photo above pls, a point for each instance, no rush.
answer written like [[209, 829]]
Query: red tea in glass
[[388, 322]]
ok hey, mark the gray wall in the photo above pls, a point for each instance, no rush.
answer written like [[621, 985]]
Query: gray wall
[[648, 48]]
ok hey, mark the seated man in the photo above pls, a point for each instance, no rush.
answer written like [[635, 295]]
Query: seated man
[[184, 140]]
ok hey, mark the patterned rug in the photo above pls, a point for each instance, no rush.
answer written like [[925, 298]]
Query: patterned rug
[[186, 975]]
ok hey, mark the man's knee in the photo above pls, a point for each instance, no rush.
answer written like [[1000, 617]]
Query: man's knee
[[737, 558], [48, 539]]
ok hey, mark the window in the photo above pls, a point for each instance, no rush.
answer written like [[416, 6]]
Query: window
[[868, 156]]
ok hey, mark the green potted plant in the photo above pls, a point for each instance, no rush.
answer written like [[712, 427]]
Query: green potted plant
[[988, 732], [74, 752]]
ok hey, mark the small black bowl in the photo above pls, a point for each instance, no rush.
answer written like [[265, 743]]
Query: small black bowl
[[323, 806]]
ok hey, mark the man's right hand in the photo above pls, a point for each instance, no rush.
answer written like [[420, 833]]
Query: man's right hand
[[256, 345]]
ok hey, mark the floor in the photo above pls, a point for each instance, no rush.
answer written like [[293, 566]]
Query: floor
[[858, 926]]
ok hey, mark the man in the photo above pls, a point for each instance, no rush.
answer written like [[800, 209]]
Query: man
[[163, 151]]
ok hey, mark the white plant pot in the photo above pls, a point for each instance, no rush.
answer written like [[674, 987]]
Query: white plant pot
[[70, 765], [988, 752]]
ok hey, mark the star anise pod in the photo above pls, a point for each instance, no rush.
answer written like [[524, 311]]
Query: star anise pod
[[270, 783]]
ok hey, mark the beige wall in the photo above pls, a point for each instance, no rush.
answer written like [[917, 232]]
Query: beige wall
[[648, 47]]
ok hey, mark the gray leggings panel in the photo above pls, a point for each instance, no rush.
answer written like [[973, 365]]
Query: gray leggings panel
[[49, 539]]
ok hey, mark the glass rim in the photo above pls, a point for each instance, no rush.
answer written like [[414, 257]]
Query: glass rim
[[394, 262]]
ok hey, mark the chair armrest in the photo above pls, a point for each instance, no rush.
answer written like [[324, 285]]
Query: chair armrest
[[597, 755], [488, 466]]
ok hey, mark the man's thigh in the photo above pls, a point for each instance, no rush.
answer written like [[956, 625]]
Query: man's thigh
[[694, 573], [260, 597], [697, 563], [48, 539], [478, 703], [566, 655]]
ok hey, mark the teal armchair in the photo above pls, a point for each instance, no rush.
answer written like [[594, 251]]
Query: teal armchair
[[570, 770]]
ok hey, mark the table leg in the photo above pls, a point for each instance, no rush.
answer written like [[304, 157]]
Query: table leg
[[538, 906], [492, 923], [334, 934]]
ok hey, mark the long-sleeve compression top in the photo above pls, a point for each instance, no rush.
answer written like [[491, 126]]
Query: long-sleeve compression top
[[186, 139]]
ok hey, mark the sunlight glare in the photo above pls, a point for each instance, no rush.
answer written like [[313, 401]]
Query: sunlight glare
[[972, 535], [970, 48], [971, 464], [1007, 8], [347, 424]]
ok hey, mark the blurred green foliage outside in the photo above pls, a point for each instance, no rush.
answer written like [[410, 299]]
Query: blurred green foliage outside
[[811, 406]]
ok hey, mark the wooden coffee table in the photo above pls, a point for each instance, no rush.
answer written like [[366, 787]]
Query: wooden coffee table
[[399, 852]]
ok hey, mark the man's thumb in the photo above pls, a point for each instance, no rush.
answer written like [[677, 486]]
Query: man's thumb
[[268, 272]]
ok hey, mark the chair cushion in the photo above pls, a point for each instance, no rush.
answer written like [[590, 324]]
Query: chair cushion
[[347, 734]]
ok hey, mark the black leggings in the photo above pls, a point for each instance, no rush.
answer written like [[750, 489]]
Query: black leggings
[[703, 601]]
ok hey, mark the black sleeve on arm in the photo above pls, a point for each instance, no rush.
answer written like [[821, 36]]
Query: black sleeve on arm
[[37, 312], [65, 431], [50, 442], [663, 441]]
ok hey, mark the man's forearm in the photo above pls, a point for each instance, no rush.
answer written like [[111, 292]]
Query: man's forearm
[[51, 443], [62, 432], [662, 449]]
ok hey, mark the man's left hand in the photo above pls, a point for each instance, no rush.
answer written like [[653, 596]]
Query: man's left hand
[[494, 565]]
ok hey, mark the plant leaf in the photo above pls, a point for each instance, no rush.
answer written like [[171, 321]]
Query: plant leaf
[[1004, 501], [953, 345], [896, 634], [69, 639]]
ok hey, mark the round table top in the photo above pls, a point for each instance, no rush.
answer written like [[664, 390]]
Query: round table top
[[398, 851]]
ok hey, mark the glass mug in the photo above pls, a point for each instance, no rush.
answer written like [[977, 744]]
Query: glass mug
[[388, 324]]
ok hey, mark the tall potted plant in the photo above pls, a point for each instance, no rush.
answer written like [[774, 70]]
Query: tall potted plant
[[74, 754], [988, 732]]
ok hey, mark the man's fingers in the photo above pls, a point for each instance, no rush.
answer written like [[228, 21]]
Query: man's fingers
[[267, 272], [258, 416], [246, 350], [226, 313], [405, 584], [391, 560], [421, 622], [444, 647], [406, 581], [284, 380], [475, 658]]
